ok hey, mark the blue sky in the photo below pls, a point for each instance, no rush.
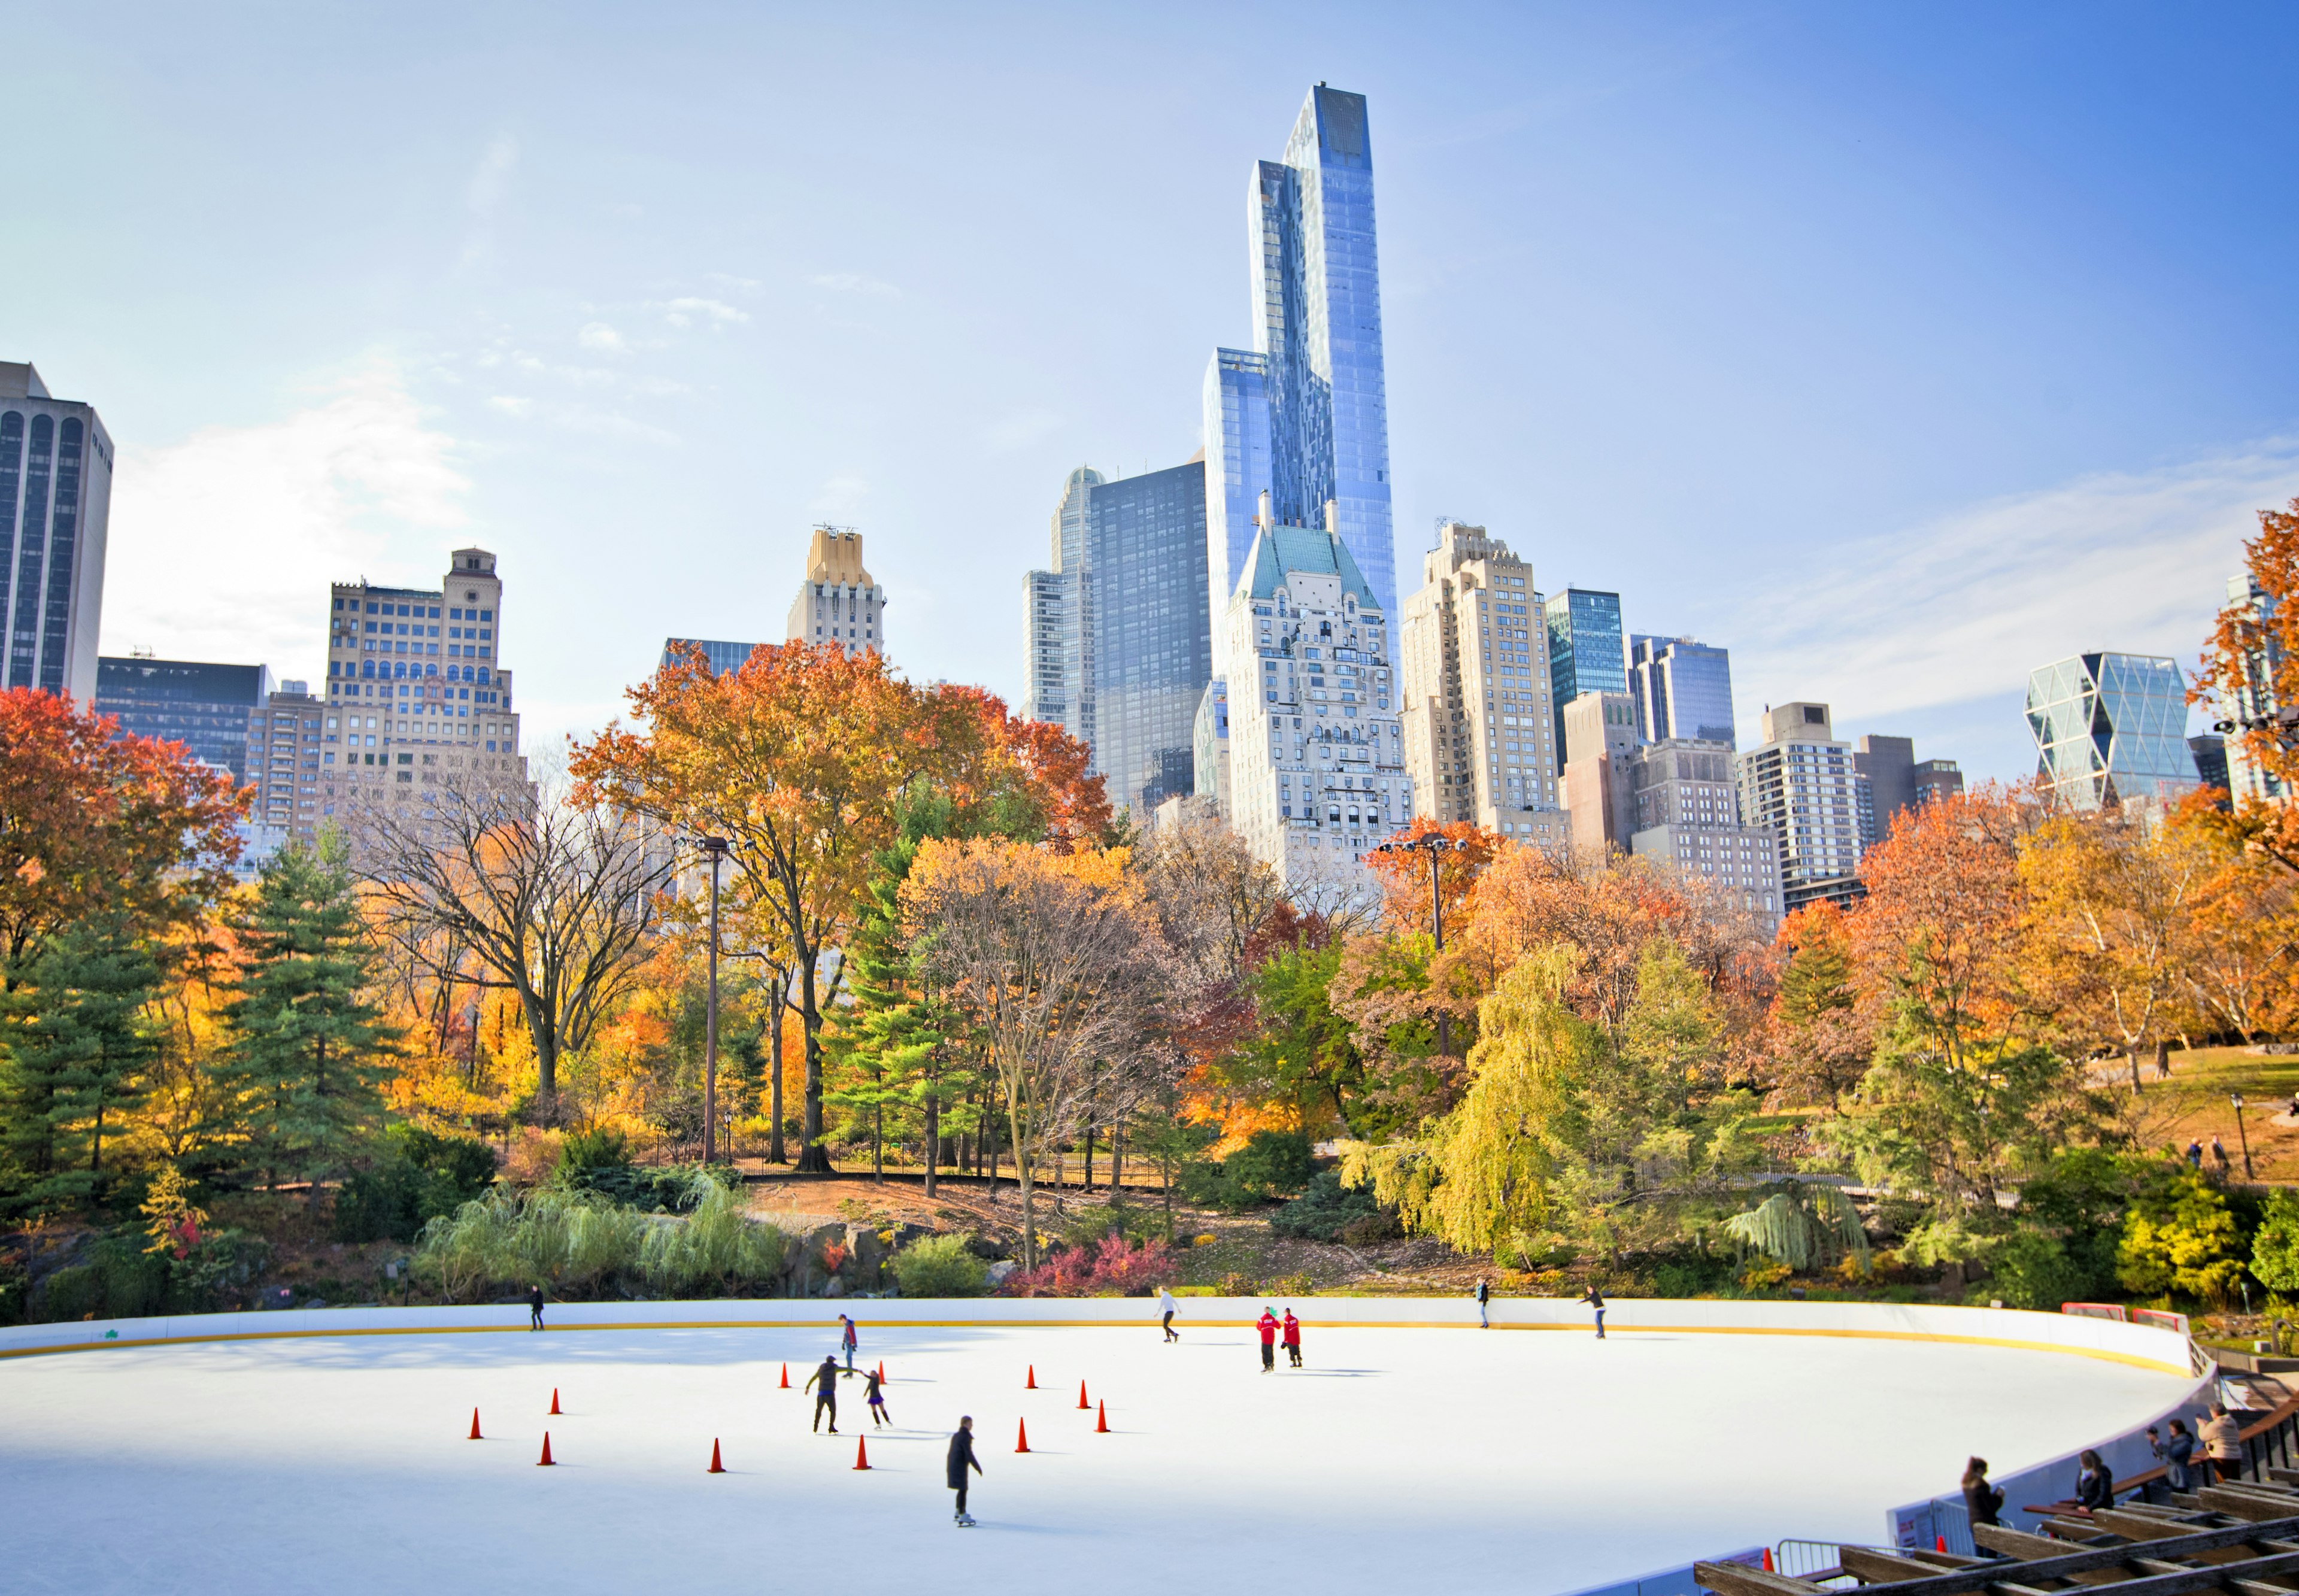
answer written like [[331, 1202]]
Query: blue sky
[[1899, 349]]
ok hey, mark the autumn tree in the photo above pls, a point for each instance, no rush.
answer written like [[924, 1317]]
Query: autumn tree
[[1817, 1040], [2250, 672], [93, 823], [802, 759], [2243, 945]]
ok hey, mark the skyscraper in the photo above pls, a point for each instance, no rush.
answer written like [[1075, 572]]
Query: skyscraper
[[1058, 678], [204, 707], [1147, 635], [55, 504], [2111, 729], [1587, 651], [1798, 785], [287, 754], [1682, 690], [2246, 776], [838, 603], [1210, 751], [1304, 415], [1317, 776], [1688, 816], [1600, 740], [404, 704], [1478, 722]]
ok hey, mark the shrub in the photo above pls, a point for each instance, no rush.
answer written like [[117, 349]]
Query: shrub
[[2182, 1237], [119, 1281], [420, 1177], [1327, 1210], [2275, 1248], [677, 1189], [581, 1242], [715, 1250], [2034, 1270], [1112, 1270], [940, 1266], [601, 1147], [1273, 1164]]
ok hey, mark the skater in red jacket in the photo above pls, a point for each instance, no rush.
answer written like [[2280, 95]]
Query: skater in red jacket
[[1268, 1325], [1292, 1338]]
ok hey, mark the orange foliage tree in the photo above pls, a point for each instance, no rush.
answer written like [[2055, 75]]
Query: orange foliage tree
[[2251, 664]]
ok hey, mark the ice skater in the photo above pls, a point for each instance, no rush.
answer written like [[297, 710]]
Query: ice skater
[[961, 1459], [1292, 1338], [824, 1383], [871, 1381], [1484, 1294], [1268, 1325], [1166, 1310], [848, 1339], [1595, 1299], [534, 1308]]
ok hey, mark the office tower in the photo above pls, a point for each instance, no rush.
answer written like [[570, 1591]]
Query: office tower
[[1683, 690], [1303, 415], [1317, 776], [416, 687], [1686, 816], [287, 750], [2211, 753], [1937, 779], [1058, 676], [1478, 728], [2111, 729], [719, 657], [1210, 746], [2246, 776], [55, 502], [838, 603], [1149, 637], [1587, 651], [1600, 734], [1798, 785], [204, 707], [1883, 785]]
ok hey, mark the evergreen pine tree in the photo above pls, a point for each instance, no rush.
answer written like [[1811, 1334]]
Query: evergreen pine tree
[[310, 1049], [78, 1041]]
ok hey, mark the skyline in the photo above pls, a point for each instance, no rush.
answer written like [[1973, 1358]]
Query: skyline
[[1898, 367]]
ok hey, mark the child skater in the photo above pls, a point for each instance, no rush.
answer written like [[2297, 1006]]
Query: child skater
[[871, 1381]]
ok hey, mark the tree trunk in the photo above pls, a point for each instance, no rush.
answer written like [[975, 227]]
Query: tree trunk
[[2132, 1055], [813, 1156], [781, 990], [934, 1141], [878, 1143], [1088, 1160]]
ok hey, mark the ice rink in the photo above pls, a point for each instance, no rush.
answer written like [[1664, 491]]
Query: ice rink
[[1399, 1459]]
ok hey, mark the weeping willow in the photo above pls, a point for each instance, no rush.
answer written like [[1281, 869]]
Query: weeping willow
[[1802, 1226]]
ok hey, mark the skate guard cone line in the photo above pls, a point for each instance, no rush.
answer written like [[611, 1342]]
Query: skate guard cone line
[[1843, 1332]]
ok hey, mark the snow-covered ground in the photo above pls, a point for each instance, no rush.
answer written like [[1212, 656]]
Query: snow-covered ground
[[1399, 1459]]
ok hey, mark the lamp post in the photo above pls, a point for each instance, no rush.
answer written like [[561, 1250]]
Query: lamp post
[[717, 848], [2241, 1134], [1434, 844]]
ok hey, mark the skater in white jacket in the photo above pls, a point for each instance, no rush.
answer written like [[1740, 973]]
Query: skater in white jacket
[[1166, 1310]]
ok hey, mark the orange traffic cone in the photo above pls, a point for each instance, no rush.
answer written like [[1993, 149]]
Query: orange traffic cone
[[861, 1453], [786, 1376], [882, 1371], [544, 1460], [1032, 1382], [716, 1466], [1102, 1418], [1082, 1401], [475, 1424], [1022, 1441], [554, 1400], [1939, 1543], [1768, 1559]]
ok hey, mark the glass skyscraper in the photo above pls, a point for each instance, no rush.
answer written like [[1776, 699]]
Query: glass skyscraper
[[1304, 415], [1585, 648], [2111, 729], [204, 707], [1682, 689], [1148, 633], [55, 499]]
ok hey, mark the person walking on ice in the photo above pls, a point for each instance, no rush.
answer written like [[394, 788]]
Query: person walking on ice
[[961, 1459], [1595, 1299], [1292, 1338], [1167, 1310], [1484, 1294], [534, 1308], [1268, 1325], [824, 1383], [848, 1340], [871, 1381]]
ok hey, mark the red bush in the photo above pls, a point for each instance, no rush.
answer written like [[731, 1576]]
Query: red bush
[[1112, 1270]]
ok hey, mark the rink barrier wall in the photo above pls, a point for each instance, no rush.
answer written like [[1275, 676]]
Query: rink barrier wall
[[2140, 1346]]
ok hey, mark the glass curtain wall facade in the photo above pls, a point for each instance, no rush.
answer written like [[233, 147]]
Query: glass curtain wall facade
[[1683, 690], [1586, 651], [204, 707], [2111, 729], [1150, 635], [1314, 385], [720, 657], [55, 498], [1059, 673]]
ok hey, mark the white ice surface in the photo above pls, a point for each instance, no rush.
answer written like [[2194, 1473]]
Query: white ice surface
[[1399, 1460]]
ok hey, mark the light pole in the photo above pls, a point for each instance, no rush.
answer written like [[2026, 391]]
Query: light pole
[[717, 848], [2241, 1134], [1434, 844]]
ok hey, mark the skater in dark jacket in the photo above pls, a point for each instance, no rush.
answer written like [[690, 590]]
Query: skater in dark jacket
[[1484, 1297], [1268, 1325], [534, 1308], [961, 1459], [1595, 1299], [1292, 1338], [871, 1381], [824, 1383]]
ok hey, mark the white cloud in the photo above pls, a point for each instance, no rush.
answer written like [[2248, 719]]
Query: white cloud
[[1964, 607], [686, 312], [516, 409], [490, 180], [849, 282], [598, 335], [222, 546], [1020, 430]]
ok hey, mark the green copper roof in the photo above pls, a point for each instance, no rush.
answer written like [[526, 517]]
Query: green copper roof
[[1278, 550]]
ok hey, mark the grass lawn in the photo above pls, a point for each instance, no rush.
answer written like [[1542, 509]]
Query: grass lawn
[[2195, 1104]]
